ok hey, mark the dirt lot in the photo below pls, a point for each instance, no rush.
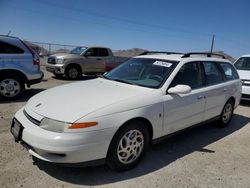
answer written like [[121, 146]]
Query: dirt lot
[[204, 156]]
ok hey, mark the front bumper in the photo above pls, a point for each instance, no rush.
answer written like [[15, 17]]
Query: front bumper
[[245, 92], [64, 147], [55, 68]]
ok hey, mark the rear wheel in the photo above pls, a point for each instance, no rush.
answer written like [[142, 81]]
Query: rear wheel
[[128, 146], [226, 114], [73, 72], [11, 87]]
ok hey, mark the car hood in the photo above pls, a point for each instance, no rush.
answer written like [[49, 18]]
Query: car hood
[[64, 55], [73, 101], [244, 74]]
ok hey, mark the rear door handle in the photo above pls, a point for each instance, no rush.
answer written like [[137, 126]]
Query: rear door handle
[[98, 59], [225, 89]]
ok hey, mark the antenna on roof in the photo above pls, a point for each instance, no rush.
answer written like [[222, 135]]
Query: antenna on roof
[[9, 33], [212, 45]]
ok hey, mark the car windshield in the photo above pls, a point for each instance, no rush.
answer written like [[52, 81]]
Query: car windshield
[[78, 50], [243, 63], [143, 72]]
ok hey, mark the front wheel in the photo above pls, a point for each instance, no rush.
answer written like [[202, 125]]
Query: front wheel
[[73, 72], [226, 114], [128, 146]]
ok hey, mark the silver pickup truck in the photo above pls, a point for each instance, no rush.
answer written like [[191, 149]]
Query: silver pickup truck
[[82, 60]]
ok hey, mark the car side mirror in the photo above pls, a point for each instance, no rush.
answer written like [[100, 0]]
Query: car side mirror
[[179, 89], [87, 54]]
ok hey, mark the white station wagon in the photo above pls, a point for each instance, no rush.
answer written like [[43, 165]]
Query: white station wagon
[[114, 118]]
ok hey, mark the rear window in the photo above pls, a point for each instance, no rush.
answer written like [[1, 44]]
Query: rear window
[[229, 70], [6, 48]]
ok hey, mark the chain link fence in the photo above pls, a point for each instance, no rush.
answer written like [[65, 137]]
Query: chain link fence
[[46, 49]]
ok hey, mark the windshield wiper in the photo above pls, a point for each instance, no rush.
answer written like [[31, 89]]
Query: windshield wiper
[[123, 81]]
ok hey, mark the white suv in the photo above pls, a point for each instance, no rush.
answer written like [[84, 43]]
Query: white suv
[[19, 65], [243, 67], [117, 116]]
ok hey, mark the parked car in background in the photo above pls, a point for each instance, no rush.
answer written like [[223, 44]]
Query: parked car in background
[[115, 117], [82, 60], [19, 66], [243, 67]]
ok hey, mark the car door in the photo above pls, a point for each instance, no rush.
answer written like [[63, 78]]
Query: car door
[[216, 89], [94, 62], [184, 110]]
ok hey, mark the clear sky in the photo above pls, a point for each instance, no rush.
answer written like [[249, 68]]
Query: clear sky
[[171, 25]]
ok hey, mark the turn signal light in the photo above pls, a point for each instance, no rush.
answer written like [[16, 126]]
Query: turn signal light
[[82, 125]]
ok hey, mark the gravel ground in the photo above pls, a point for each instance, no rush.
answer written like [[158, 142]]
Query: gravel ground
[[204, 156]]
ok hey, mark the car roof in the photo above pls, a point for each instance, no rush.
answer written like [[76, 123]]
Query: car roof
[[179, 57], [247, 55], [170, 57], [8, 37]]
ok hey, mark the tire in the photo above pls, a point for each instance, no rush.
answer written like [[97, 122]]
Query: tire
[[11, 87], [128, 146], [73, 72], [226, 114]]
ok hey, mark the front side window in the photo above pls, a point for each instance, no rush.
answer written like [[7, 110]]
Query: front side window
[[143, 72], [190, 74], [6, 48], [243, 63], [212, 73], [92, 52], [229, 71]]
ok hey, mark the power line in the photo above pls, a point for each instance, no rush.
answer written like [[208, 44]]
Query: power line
[[119, 19], [93, 22]]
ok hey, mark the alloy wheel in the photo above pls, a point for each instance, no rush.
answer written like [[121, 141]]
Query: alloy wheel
[[130, 146]]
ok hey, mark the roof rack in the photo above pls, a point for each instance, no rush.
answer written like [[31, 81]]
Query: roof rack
[[159, 52], [203, 53], [7, 36]]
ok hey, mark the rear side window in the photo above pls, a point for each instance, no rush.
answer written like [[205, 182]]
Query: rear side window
[[6, 48], [103, 52], [212, 73], [229, 70]]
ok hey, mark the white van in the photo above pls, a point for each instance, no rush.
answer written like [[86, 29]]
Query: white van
[[243, 67]]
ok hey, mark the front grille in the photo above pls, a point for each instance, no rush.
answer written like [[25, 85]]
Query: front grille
[[246, 84], [245, 96], [51, 60], [36, 122]]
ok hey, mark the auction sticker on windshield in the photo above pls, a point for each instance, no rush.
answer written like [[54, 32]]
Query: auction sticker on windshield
[[162, 63]]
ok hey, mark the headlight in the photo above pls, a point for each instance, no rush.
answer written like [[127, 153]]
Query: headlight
[[53, 125], [59, 60], [59, 126]]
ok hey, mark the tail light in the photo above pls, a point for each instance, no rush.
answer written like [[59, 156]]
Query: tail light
[[36, 60]]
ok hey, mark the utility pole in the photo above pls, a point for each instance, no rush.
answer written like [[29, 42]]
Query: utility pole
[[212, 45]]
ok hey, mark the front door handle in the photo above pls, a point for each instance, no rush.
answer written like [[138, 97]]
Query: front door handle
[[225, 89], [98, 59], [200, 97]]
